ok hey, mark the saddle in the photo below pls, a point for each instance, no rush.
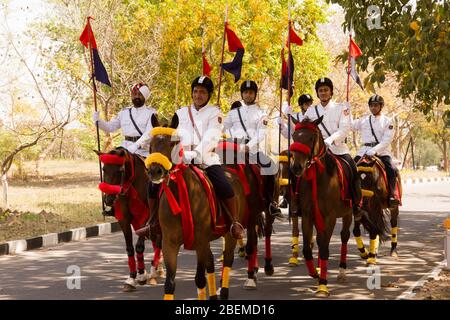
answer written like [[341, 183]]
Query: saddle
[[345, 178]]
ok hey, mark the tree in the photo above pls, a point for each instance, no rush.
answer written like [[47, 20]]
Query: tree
[[412, 41]]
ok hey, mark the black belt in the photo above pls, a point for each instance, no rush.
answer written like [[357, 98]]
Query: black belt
[[133, 139], [372, 144]]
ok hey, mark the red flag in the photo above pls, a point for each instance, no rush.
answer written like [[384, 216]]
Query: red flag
[[88, 36], [233, 41], [294, 38], [355, 51], [206, 66]]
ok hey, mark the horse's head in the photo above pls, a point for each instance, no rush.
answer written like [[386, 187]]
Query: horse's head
[[308, 145], [114, 173], [366, 170], [164, 149]]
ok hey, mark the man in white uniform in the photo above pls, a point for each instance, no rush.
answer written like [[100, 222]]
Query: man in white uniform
[[304, 102], [377, 134], [335, 127], [247, 124], [135, 122], [200, 128]]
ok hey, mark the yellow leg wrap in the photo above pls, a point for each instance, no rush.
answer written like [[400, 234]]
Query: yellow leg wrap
[[226, 277], [211, 284], [168, 297], [394, 232], [359, 242], [240, 243], [373, 246], [223, 244], [294, 244], [323, 288], [377, 244], [201, 293]]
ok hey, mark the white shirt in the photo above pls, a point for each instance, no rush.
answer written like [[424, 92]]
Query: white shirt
[[284, 128], [337, 120], [383, 128], [254, 120], [208, 121], [142, 116]]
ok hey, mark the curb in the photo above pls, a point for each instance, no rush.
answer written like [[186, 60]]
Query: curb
[[423, 180], [52, 239]]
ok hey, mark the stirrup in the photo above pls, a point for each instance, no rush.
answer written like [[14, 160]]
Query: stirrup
[[393, 202], [109, 213], [275, 211], [238, 225]]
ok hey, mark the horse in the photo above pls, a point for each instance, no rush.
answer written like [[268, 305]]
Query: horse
[[320, 199], [190, 220], [125, 183], [258, 224], [376, 202]]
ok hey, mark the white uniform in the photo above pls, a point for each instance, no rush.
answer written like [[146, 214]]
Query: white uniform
[[254, 121], [382, 126], [337, 120], [284, 128], [208, 121], [142, 117]]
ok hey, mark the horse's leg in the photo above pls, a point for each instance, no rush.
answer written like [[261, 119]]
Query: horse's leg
[[268, 267], [293, 261], [363, 252], [241, 251], [170, 252], [394, 231], [157, 269], [307, 232], [372, 259], [142, 276], [345, 235], [230, 244], [200, 279], [130, 283], [323, 241], [251, 251]]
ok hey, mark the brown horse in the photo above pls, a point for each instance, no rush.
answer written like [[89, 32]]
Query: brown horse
[[376, 203], [319, 198], [125, 183], [188, 219], [257, 224]]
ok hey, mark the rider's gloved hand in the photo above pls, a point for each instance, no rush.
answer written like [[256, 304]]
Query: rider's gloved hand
[[328, 141], [188, 156], [371, 152], [133, 148], [95, 116]]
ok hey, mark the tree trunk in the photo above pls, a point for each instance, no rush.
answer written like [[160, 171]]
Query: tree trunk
[[445, 155], [44, 154], [5, 191]]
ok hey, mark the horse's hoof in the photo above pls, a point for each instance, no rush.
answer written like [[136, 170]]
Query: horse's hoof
[[322, 291], [371, 261], [342, 277], [160, 271], [394, 253], [268, 269], [241, 252], [152, 281], [250, 284], [224, 292], [293, 262], [128, 288], [214, 297], [142, 278]]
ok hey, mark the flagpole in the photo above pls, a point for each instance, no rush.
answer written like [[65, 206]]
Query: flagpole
[[348, 64], [281, 104], [178, 76], [289, 101], [221, 60], [94, 90]]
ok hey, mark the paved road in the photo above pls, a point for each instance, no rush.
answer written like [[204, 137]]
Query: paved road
[[42, 274]]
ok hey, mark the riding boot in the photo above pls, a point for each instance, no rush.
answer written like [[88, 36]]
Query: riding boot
[[150, 228], [237, 230], [274, 210], [393, 201]]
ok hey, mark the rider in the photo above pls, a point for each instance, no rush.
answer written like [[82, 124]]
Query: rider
[[335, 127], [200, 128], [248, 124], [135, 121], [304, 102], [377, 134]]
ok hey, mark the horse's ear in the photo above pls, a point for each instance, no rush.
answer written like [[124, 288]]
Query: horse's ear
[[175, 121], [121, 152], [99, 153], [155, 122], [318, 121]]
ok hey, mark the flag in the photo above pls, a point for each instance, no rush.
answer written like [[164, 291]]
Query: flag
[[206, 66], [86, 38], [234, 45], [354, 53], [284, 77], [294, 38]]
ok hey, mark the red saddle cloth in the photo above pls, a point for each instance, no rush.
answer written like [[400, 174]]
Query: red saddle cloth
[[344, 174], [139, 210]]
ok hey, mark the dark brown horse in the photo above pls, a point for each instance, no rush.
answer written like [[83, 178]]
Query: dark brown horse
[[185, 212], [319, 198], [125, 183], [376, 203]]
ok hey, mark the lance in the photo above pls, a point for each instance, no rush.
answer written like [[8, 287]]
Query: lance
[[221, 59], [289, 102], [94, 90]]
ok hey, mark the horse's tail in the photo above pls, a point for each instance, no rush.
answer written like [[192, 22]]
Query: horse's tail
[[377, 220], [260, 223]]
